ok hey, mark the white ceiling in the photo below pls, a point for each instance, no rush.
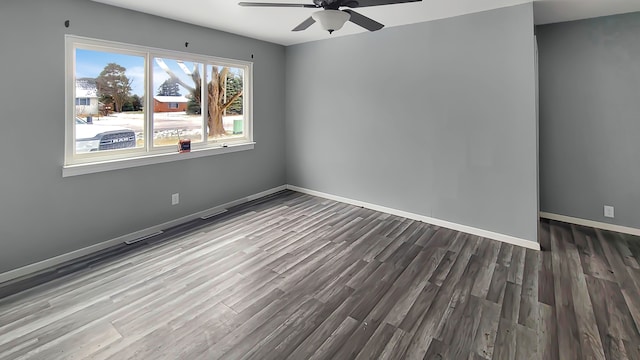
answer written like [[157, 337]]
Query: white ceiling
[[275, 24]]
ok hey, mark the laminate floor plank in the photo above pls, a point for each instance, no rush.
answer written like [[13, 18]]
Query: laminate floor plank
[[335, 340], [395, 347], [623, 277], [460, 318], [627, 256], [79, 344], [545, 273], [286, 338], [337, 275], [437, 314], [498, 284], [214, 328], [253, 329], [391, 223], [631, 350], [568, 333], [444, 266], [442, 238], [299, 277], [634, 247], [528, 314], [376, 344], [375, 287], [610, 312], [516, 266], [484, 341], [381, 243], [547, 333], [410, 234], [339, 320], [526, 343], [413, 280], [592, 256], [511, 302], [53, 327], [178, 336], [583, 308], [506, 341], [460, 337], [426, 234], [505, 255], [372, 313]]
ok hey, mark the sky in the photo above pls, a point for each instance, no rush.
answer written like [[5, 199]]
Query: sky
[[89, 63]]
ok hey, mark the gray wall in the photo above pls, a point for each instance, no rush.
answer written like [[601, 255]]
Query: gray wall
[[436, 118], [42, 214], [590, 118]]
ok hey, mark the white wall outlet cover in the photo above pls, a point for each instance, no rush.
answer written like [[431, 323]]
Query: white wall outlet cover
[[608, 211], [175, 199]]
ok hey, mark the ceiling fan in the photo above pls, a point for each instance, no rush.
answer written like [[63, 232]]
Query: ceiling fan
[[332, 17]]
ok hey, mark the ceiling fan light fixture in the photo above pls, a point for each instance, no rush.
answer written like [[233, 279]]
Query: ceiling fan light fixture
[[331, 20]]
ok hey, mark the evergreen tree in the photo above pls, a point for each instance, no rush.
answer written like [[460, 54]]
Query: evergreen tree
[[113, 84], [234, 86], [169, 87], [136, 102]]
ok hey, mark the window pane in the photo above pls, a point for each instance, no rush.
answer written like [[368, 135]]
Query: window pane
[[177, 105], [226, 103], [109, 91]]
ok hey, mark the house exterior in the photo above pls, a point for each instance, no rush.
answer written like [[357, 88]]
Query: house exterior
[[170, 103], [86, 98]]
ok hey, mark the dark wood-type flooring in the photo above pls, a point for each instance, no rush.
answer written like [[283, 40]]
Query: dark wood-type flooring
[[299, 277]]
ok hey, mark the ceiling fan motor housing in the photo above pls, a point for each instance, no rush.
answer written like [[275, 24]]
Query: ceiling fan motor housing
[[331, 20]]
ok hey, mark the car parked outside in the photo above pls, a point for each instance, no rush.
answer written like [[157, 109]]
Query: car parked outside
[[94, 137]]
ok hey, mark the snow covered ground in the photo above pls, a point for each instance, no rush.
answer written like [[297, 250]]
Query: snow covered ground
[[165, 125]]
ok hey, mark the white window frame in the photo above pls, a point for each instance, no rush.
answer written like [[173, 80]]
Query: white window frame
[[78, 164]]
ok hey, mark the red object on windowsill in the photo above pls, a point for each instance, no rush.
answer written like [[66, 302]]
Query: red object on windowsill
[[184, 145]]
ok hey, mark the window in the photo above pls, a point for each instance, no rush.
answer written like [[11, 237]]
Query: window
[[83, 101], [146, 101], [231, 80], [176, 81]]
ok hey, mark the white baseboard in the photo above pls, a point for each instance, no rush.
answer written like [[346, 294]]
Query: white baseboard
[[52, 262], [458, 227], [591, 223]]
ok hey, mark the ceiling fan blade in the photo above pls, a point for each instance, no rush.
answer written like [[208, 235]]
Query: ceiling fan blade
[[305, 24], [350, 3], [365, 22], [261, 4], [366, 3]]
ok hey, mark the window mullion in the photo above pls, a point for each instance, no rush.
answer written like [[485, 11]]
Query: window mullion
[[204, 104], [148, 103]]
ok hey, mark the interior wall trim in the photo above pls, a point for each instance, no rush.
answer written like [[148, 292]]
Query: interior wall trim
[[52, 262], [450, 225], [60, 259], [591, 223]]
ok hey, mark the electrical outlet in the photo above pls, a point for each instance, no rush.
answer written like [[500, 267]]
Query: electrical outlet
[[608, 211], [175, 199]]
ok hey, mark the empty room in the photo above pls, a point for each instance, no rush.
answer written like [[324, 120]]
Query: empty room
[[320, 179]]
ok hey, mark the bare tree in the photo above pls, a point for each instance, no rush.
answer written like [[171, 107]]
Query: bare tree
[[216, 88]]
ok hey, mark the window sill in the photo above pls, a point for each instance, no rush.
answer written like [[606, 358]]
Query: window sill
[[81, 169]]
